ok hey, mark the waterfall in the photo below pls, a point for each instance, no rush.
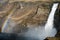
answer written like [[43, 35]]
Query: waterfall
[[41, 32], [50, 31]]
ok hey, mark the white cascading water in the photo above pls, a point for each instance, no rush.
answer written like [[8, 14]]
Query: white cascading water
[[41, 32], [50, 31]]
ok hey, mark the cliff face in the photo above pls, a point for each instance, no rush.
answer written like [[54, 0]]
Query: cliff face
[[24, 13], [21, 14], [10, 1], [34, 0]]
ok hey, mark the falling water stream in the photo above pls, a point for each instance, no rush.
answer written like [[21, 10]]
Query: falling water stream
[[50, 31], [40, 32]]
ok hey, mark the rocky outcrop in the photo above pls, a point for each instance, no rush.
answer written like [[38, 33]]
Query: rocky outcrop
[[25, 13], [22, 14], [34, 0]]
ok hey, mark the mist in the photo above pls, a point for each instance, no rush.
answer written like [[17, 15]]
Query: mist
[[42, 32], [39, 32]]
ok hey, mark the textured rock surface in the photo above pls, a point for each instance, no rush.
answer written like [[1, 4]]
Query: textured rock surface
[[34, 0], [23, 14]]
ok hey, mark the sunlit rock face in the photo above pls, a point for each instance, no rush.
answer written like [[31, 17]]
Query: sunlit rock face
[[34, 0], [3, 2], [27, 19], [24, 14]]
